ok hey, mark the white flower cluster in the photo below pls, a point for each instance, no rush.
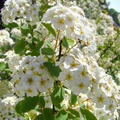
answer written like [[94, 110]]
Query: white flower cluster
[[80, 70], [63, 17], [71, 22], [107, 37], [92, 8], [6, 88], [19, 9], [12, 60], [7, 109], [83, 75], [105, 23], [5, 38], [31, 77], [105, 20]]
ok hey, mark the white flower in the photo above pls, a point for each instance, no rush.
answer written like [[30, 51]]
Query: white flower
[[32, 77], [5, 38], [59, 22], [6, 88], [7, 108], [48, 102], [111, 105], [100, 99], [100, 112], [78, 10], [13, 60], [51, 2]]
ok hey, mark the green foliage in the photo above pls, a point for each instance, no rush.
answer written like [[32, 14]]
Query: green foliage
[[46, 114], [66, 42], [87, 114], [73, 98], [41, 102], [11, 25], [62, 115], [25, 30], [48, 43], [4, 71], [58, 95], [20, 47], [26, 117], [16, 37], [53, 70], [2, 66], [35, 48], [50, 28], [70, 41], [28, 104], [47, 51], [114, 14], [73, 114]]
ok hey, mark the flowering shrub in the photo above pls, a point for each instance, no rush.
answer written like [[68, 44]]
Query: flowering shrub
[[52, 64]]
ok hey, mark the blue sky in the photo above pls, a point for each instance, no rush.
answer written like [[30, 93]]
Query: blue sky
[[115, 4]]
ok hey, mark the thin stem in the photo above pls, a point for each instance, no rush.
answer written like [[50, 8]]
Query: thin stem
[[72, 46], [57, 38], [60, 50], [88, 99]]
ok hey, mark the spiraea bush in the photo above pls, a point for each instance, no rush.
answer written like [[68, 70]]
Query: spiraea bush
[[49, 63]]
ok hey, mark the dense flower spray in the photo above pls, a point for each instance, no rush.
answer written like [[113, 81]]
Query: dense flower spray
[[53, 63]]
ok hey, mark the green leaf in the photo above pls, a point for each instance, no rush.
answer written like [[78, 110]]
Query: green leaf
[[11, 25], [65, 43], [16, 37], [40, 44], [26, 105], [62, 115], [73, 114], [32, 114], [81, 105], [34, 53], [73, 98], [2, 66], [70, 41], [26, 117], [47, 51], [34, 26], [48, 43], [41, 101], [87, 114], [40, 117], [35, 48], [50, 28], [58, 95], [25, 30], [20, 47], [53, 70], [48, 114]]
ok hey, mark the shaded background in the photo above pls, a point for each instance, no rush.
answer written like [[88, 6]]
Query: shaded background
[[1, 6]]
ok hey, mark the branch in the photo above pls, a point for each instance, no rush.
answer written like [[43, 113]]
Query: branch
[[60, 50]]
